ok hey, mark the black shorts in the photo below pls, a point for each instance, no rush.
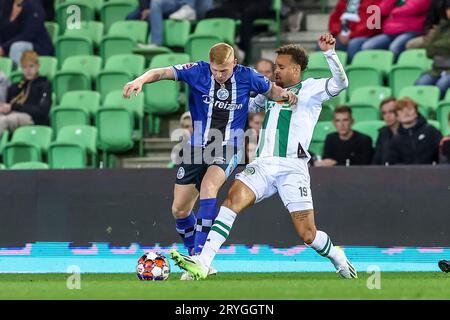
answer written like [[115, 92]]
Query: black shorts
[[193, 171]]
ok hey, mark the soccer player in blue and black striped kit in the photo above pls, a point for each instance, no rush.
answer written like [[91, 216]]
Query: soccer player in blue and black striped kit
[[219, 93]]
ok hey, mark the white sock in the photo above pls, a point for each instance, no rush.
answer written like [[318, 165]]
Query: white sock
[[323, 246], [217, 235]]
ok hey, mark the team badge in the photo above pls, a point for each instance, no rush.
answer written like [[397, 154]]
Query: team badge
[[180, 173], [223, 94], [249, 171]]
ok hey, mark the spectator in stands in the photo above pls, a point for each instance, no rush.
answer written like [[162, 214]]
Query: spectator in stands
[[247, 11], [444, 147], [255, 121], [346, 146], [49, 9], [22, 28], [265, 67], [186, 123], [438, 49], [403, 21], [348, 24], [174, 9], [386, 133], [435, 14], [29, 100], [417, 142], [187, 127], [4, 85], [142, 12]]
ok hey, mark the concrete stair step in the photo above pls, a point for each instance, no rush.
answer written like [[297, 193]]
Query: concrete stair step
[[317, 22], [147, 162]]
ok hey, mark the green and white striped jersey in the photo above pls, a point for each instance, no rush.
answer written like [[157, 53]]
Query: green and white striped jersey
[[287, 131], [285, 128]]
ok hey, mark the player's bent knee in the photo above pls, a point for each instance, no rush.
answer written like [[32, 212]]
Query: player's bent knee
[[208, 189], [180, 213]]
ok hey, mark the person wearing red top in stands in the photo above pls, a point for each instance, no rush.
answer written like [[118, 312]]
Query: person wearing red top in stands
[[403, 20], [349, 24]]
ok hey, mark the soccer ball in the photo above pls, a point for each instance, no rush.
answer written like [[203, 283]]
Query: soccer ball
[[153, 266]]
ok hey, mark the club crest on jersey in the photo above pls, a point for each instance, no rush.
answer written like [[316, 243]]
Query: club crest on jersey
[[180, 173], [223, 94], [249, 171]]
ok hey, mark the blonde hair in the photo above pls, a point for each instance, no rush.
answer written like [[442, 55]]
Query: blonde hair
[[405, 102], [29, 55], [221, 53]]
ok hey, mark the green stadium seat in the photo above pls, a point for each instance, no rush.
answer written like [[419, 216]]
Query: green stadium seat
[[169, 59], [168, 89], [30, 165], [75, 108], [327, 113], [67, 46], [415, 58], [321, 130], [90, 29], [316, 59], [442, 116], [113, 11], [364, 111], [28, 144], [372, 95], [380, 60], [65, 81], [2, 166], [133, 63], [224, 28], [135, 104], [176, 32], [84, 99], [316, 73], [134, 29], [16, 76], [115, 131], [427, 96], [370, 128], [198, 46], [87, 64], [61, 117], [53, 30], [6, 65], [447, 96], [369, 68], [65, 13], [402, 76], [73, 146], [337, 101], [48, 66], [3, 140], [274, 25], [111, 80], [114, 45]]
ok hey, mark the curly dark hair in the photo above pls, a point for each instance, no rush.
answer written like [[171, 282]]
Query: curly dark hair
[[298, 54]]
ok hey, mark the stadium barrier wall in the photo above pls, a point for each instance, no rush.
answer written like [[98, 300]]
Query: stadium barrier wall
[[357, 206]]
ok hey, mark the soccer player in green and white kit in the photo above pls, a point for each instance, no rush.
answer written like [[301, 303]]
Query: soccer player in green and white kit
[[281, 163]]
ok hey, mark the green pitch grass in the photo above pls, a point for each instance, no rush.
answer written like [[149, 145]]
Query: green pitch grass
[[419, 285]]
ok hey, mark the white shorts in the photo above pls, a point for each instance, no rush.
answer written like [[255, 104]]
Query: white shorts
[[287, 176]]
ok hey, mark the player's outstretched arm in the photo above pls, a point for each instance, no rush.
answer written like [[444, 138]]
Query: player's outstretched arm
[[339, 81], [152, 75]]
